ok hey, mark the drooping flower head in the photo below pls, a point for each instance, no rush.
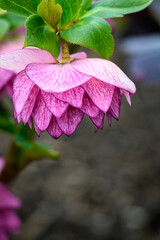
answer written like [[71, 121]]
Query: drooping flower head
[[9, 221], [7, 76], [56, 96]]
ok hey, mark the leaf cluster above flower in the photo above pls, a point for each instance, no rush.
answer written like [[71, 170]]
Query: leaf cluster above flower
[[80, 22]]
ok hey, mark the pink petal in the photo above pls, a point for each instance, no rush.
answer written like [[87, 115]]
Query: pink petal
[[55, 78], [88, 107], [9, 220], [54, 129], [73, 96], [12, 45], [22, 87], [101, 93], [29, 104], [115, 105], [109, 118], [36, 129], [30, 123], [57, 107], [41, 114], [98, 121], [18, 117], [126, 94], [5, 76], [70, 120], [105, 71], [19, 59], [9, 87], [3, 234], [7, 199], [79, 55]]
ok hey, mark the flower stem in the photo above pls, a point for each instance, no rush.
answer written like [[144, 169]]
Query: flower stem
[[65, 52]]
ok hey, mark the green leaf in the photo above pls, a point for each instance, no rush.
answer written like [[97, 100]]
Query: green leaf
[[50, 12], [35, 151], [72, 9], [114, 8], [4, 27], [42, 36], [14, 21], [92, 32], [22, 8]]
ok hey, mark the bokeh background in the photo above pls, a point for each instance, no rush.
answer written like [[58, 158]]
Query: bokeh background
[[106, 186]]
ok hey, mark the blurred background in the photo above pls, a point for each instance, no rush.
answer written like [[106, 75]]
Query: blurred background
[[106, 186]]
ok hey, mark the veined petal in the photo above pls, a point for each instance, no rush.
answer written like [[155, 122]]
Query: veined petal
[[101, 93], [126, 94], [109, 118], [56, 106], [19, 59], [55, 78], [70, 120], [88, 107], [73, 96], [36, 129], [54, 130], [41, 114], [98, 121], [29, 104], [105, 71], [22, 87], [115, 105]]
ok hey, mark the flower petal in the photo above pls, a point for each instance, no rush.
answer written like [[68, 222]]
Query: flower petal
[[54, 130], [101, 93], [5, 76], [79, 55], [70, 120], [29, 105], [88, 107], [57, 107], [109, 118], [98, 121], [36, 129], [9, 220], [22, 87], [73, 96], [7, 199], [19, 59], [55, 78], [126, 94], [115, 105], [41, 114], [105, 71], [3, 235]]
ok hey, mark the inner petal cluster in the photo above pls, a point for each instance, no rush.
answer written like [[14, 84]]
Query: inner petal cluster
[[60, 113]]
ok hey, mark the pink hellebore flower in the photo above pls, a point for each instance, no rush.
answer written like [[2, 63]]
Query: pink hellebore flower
[[7, 76], [56, 96], [9, 222]]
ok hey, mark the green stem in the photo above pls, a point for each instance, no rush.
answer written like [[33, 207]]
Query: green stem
[[65, 52]]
